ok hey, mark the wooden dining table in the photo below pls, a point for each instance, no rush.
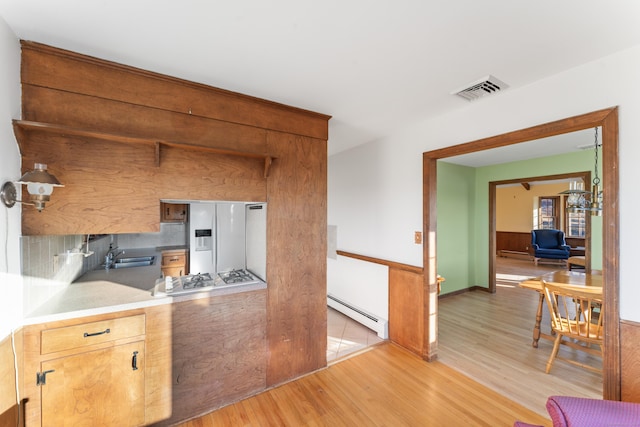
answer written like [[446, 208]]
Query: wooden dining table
[[564, 278]]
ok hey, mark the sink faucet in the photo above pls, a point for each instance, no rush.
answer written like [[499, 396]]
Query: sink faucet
[[112, 253]]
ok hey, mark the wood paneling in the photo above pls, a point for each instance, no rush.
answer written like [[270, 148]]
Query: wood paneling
[[521, 242], [630, 360], [136, 120], [406, 309], [69, 71], [113, 187], [218, 352], [297, 257], [116, 187], [513, 241]]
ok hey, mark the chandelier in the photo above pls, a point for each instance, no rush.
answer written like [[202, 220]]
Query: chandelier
[[580, 200]]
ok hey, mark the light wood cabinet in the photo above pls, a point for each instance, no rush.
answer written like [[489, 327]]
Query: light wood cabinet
[[174, 212], [100, 387], [84, 384], [103, 370], [175, 263]]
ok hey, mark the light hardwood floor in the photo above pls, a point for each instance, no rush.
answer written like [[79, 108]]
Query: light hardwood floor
[[488, 338], [487, 373], [384, 386]]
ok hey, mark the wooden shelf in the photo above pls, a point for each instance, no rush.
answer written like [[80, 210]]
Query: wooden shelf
[[25, 125]]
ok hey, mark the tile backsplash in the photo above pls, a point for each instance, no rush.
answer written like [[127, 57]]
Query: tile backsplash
[[51, 263], [60, 258]]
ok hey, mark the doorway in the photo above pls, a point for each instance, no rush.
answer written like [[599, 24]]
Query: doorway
[[608, 120], [493, 247]]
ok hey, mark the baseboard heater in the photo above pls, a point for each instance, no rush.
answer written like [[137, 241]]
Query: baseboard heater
[[380, 326]]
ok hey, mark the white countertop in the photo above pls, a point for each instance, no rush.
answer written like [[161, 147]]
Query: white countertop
[[81, 299], [106, 291]]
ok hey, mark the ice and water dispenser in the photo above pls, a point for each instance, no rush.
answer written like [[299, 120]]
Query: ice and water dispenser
[[204, 240]]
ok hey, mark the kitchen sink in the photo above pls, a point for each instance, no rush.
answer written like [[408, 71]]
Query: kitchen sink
[[140, 261]]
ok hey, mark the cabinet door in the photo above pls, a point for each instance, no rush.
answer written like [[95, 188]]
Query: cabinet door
[[102, 387], [173, 271], [173, 212]]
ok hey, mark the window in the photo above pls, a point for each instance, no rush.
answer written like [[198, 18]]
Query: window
[[548, 212], [576, 224]]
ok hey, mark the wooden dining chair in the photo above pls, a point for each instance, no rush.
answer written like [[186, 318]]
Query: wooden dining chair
[[576, 314]]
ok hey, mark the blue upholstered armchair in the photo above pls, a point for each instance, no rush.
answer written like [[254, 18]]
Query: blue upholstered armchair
[[549, 244]]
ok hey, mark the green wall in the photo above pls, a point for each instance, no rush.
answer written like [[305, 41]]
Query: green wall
[[456, 225], [463, 214]]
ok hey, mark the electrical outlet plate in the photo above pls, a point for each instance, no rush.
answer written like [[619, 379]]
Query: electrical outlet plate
[[417, 237]]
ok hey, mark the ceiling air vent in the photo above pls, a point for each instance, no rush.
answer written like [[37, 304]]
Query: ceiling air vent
[[486, 86]]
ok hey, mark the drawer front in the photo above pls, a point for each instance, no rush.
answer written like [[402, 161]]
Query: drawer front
[[86, 334], [171, 260], [174, 271]]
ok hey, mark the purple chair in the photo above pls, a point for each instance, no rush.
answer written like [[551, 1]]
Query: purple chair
[[583, 412], [568, 411]]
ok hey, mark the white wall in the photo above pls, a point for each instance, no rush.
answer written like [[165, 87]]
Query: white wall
[[10, 281], [375, 191], [371, 225]]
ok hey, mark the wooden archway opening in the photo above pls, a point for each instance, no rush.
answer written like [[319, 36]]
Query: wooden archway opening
[[607, 119]]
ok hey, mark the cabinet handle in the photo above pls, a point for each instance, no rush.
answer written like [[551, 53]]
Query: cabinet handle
[[167, 211], [174, 259], [134, 361], [93, 334], [41, 377]]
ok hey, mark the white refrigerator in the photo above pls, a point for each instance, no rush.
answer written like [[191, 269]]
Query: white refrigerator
[[230, 236], [216, 237]]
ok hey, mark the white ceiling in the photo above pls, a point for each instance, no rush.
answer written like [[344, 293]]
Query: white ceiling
[[543, 147], [373, 65]]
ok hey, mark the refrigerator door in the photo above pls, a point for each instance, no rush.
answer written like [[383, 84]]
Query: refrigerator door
[[230, 236], [202, 228], [257, 239]]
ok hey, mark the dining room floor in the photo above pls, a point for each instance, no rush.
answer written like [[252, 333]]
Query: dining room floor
[[488, 338], [346, 337]]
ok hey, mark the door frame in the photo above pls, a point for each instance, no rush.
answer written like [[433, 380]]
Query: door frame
[[607, 119], [493, 246]]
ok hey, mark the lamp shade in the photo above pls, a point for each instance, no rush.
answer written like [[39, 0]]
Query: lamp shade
[[39, 175], [40, 185]]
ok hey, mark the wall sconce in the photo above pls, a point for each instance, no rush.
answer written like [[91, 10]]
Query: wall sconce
[[39, 184]]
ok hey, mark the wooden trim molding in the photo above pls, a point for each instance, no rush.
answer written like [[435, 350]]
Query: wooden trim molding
[[390, 264], [608, 120]]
